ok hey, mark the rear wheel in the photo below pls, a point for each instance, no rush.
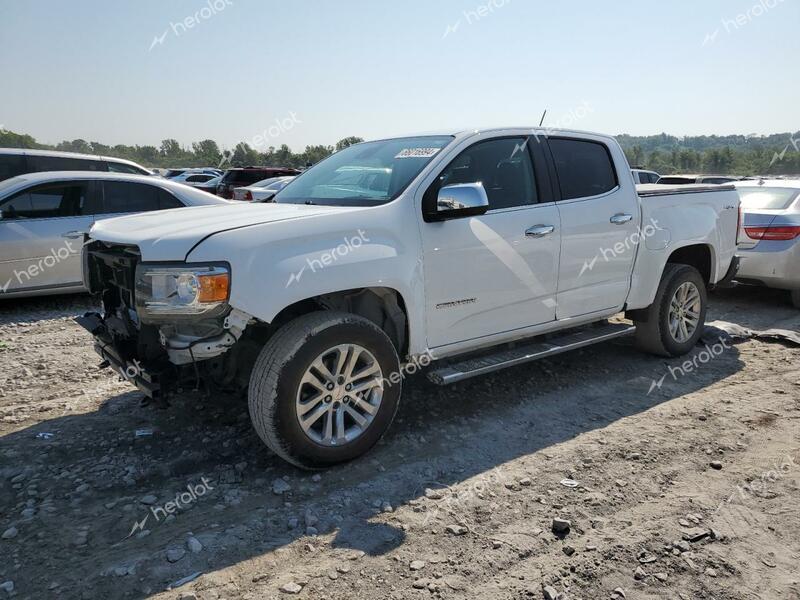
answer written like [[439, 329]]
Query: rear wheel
[[796, 298], [674, 322], [320, 394]]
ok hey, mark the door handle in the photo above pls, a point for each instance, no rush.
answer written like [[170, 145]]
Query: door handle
[[73, 235], [621, 219], [538, 231]]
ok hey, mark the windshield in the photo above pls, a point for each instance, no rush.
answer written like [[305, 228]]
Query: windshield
[[769, 198], [367, 174]]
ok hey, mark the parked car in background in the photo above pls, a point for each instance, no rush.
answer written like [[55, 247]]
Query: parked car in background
[[689, 179], [398, 252], [244, 176], [770, 248], [45, 216], [173, 173], [262, 191], [209, 186], [15, 161], [194, 179], [644, 176]]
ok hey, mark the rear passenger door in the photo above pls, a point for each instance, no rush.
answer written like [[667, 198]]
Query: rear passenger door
[[600, 222], [41, 235]]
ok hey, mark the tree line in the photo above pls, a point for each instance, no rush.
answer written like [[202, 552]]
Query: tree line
[[776, 154], [171, 153]]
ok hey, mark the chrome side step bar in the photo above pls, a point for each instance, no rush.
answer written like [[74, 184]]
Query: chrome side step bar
[[482, 365]]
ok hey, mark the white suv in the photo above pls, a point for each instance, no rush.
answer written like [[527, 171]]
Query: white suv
[[14, 161]]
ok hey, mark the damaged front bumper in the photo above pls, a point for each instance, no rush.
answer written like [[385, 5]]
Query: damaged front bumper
[[158, 373], [130, 368], [155, 354]]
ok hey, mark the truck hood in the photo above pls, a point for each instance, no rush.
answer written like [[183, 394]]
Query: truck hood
[[169, 235]]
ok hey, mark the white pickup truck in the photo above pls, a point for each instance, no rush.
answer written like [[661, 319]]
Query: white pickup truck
[[472, 251]]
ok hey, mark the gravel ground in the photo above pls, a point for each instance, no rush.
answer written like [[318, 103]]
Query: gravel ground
[[574, 477]]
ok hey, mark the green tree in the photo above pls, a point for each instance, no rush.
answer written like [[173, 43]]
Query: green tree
[[171, 149], [206, 153], [244, 155], [314, 154], [81, 146], [348, 141], [9, 139]]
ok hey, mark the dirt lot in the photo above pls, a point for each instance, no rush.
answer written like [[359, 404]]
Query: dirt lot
[[690, 490]]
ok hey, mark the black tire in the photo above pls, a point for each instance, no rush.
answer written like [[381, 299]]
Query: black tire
[[796, 298], [652, 331], [276, 376]]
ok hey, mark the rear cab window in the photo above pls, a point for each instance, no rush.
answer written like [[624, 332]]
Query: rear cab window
[[584, 167]]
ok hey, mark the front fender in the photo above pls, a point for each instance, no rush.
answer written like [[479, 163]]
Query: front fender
[[275, 267]]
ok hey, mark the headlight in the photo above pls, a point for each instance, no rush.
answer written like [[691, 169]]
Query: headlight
[[190, 290]]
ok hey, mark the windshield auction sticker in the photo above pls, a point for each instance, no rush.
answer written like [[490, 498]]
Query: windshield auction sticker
[[418, 153]]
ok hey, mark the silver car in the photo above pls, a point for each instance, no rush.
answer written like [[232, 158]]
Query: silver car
[[770, 246], [44, 216]]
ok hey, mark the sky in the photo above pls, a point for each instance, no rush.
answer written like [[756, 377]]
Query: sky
[[313, 72]]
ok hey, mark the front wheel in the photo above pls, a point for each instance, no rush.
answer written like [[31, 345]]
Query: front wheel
[[674, 322], [324, 390]]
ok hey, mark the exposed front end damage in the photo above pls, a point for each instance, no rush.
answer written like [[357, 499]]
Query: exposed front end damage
[[188, 344], [158, 355]]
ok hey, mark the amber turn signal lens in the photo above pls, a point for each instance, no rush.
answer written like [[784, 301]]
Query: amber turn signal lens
[[213, 288]]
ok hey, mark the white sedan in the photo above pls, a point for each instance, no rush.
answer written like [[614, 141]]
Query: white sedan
[[44, 217], [770, 249], [262, 191]]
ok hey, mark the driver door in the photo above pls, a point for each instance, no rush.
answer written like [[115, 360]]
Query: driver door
[[498, 271]]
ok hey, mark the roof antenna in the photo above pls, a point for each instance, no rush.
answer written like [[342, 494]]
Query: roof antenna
[[544, 114]]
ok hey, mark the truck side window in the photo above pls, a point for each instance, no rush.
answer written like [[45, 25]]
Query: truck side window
[[504, 168], [584, 168]]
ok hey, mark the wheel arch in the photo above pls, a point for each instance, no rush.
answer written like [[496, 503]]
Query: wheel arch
[[699, 256], [384, 306]]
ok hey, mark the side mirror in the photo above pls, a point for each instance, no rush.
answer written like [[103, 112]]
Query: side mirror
[[460, 200]]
